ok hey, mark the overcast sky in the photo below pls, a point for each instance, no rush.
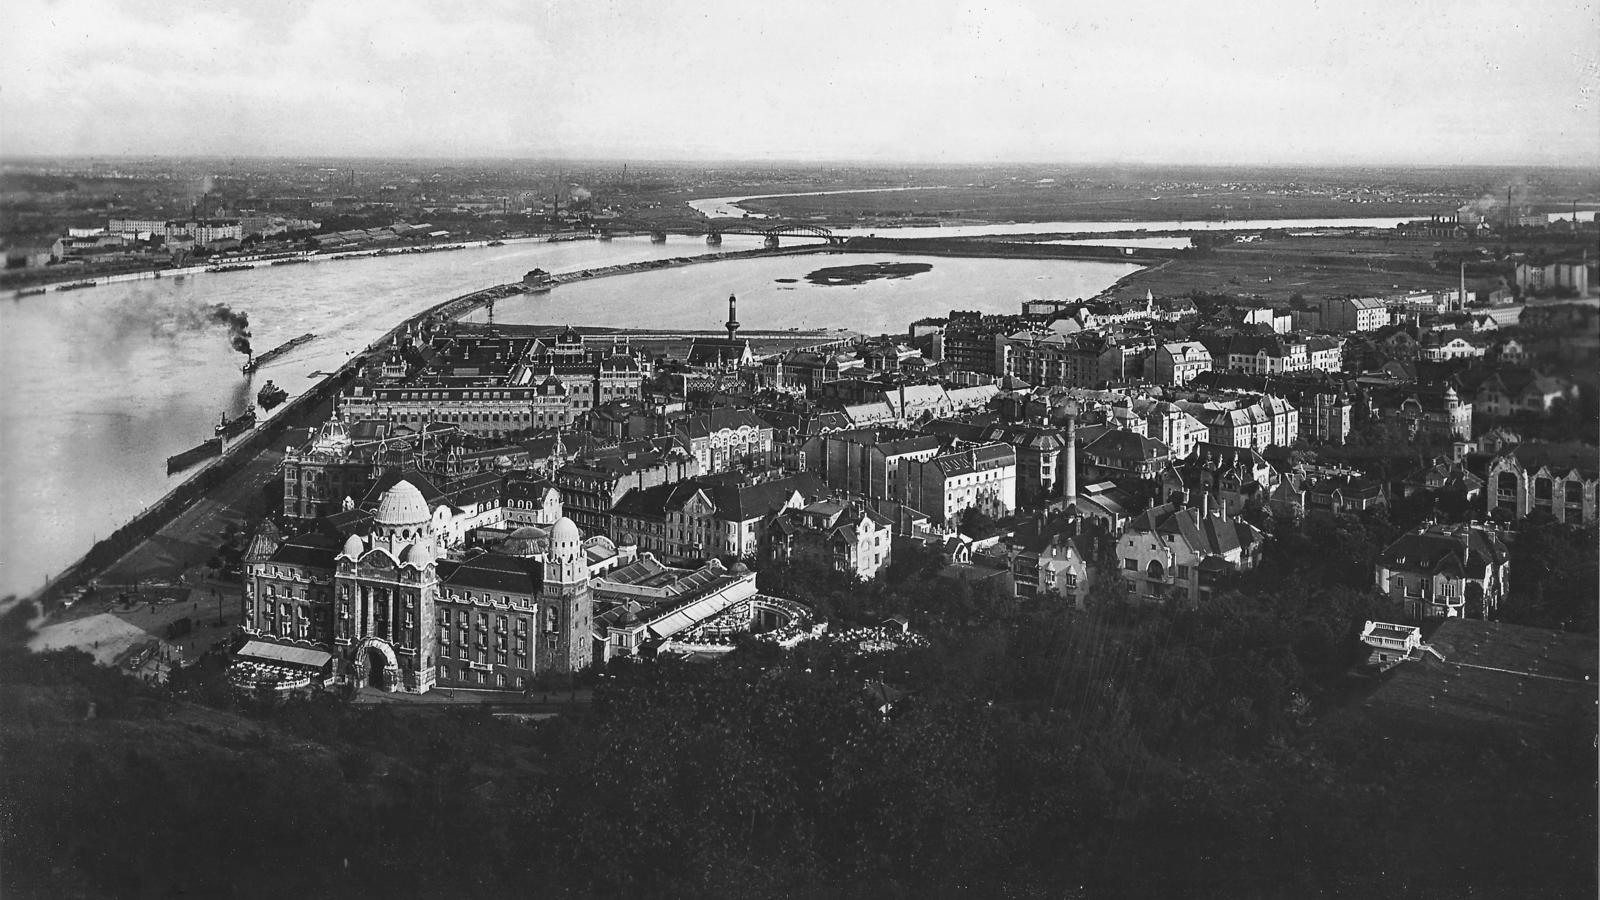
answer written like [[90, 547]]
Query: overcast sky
[[1203, 82]]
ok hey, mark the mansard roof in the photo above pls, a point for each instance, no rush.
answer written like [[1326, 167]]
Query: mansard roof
[[312, 551], [1126, 445], [494, 572], [1434, 551], [1214, 535]]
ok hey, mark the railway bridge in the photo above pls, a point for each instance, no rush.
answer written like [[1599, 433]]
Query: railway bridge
[[713, 230]]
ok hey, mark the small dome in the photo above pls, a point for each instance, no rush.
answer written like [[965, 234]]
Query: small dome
[[353, 546], [415, 555], [525, 541], [402, 505], [265, 542], [565, 531]]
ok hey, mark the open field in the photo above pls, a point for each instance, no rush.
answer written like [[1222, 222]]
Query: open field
[[1018, 202], [109, 630], [1275, 269]]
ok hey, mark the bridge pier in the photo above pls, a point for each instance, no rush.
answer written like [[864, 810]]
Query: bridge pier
[[714, 239], [658, 237], [770, 242]]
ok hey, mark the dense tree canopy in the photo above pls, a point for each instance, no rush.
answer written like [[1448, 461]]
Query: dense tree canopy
[[1032, 750]]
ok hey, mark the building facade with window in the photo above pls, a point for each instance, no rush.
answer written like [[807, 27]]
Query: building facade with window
[[502, 620], [1561, 481], [399, 618], [845, 537], [1175, 552], [1445, 571]]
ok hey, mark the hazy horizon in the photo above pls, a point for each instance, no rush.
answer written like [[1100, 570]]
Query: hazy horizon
[[1358, 85]]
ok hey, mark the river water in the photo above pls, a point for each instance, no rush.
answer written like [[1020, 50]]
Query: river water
[[774, 294], [102, 385]]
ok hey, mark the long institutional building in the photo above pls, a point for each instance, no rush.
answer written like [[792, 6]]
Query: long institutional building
[[390, 610], [494, 384]]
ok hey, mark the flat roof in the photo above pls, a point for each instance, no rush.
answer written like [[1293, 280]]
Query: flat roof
[[277, 653]]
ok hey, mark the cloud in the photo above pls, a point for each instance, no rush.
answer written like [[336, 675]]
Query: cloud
[[941, 80]]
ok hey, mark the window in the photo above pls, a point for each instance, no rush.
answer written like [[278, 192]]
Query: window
[[1183, 573], [1132, 565]]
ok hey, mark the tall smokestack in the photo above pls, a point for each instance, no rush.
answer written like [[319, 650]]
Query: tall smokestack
[[1461, 293], [733, 317], [1071, 491]]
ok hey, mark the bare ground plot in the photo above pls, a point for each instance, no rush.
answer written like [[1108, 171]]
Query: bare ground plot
[[1034, 202], [1312, 267], [109, 630]]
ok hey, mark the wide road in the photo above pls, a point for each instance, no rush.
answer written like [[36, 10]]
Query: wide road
[[191, 539]]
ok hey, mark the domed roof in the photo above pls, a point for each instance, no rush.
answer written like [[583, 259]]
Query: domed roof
[[416, 555], [265, 542], [353, 546], [525, 541], [565, 530], [402, 505]]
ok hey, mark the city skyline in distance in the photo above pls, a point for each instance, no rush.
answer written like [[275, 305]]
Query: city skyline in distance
[[1416, 84]]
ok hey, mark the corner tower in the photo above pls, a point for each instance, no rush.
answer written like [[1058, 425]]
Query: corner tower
[[566, 610]]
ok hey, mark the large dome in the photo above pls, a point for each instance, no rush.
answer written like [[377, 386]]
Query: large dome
[[565, 531], [402, 505]]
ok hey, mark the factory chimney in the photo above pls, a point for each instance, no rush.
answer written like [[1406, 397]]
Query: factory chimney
[[733, 318], [1070, 494]]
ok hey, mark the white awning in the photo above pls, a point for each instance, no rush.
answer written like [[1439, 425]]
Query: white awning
[[295, 656]]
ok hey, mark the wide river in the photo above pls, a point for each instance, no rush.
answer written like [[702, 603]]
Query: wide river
[[102, 385]]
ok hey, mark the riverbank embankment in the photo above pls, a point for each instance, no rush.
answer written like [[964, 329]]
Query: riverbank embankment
[[998, 249], [236, 457], [298, 412]]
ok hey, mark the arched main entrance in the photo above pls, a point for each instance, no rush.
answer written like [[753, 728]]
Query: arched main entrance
[[375, 668]]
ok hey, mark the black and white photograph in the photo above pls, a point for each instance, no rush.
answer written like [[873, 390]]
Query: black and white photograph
[[1016, 449]]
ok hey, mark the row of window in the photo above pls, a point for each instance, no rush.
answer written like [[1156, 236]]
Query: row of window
[[1130, 564], [478, 676], [462, 619]]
